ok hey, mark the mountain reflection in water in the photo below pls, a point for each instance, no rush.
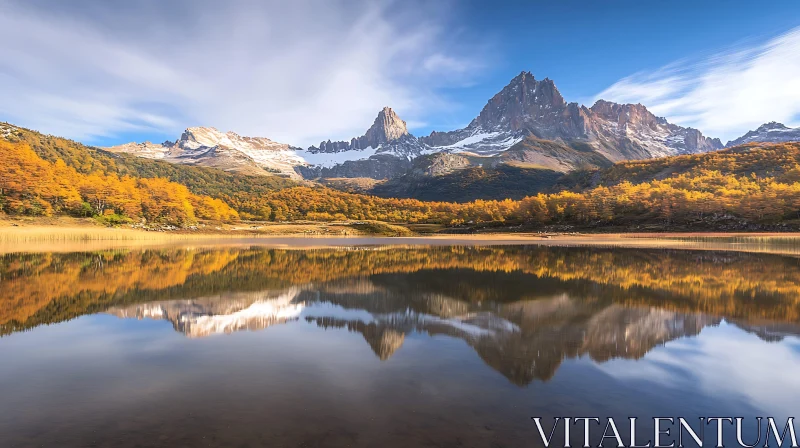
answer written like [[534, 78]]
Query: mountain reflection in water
[[559, 325], [522, 340], [522, 309]]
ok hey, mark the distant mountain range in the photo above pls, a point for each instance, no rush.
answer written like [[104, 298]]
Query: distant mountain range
[[527, 124], [771, 132], [508, 130], [201, 146]]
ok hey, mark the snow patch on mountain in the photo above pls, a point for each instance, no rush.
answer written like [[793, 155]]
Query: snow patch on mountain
[[471, 140], [480, 142]]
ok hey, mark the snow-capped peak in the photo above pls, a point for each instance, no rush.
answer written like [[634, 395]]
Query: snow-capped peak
[[209, 137], [772, 132]]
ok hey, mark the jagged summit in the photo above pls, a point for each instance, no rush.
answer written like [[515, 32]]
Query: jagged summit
[[387, 127], [385, 150], [772, 132], [527, 107], [524, 107], [521, 104]]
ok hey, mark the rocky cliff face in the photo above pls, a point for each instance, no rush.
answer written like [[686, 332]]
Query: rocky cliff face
[[524, 107], [630, 131], [771, 132]]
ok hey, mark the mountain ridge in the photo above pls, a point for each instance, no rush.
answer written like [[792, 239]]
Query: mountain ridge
[[506, 130], [771, 132], [208, 147], [528, 107]]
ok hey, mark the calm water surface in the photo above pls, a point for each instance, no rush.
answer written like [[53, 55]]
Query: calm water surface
[[383, 346]]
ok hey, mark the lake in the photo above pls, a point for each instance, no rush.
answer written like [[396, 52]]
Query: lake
[[386, 346]]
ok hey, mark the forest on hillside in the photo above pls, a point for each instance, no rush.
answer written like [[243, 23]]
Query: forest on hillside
[[468, 184], [236, 190], [750, 185], [30, 185]]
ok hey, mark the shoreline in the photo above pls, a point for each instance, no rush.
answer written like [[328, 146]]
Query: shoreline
[[37, 238]]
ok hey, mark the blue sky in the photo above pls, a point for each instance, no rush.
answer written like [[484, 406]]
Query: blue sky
[[300, 72]]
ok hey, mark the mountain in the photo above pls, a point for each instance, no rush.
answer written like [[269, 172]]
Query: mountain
[[527, 108], [524, 107], [630, 131], [527, 124], [204, 146], [771, 132], [382, 152]]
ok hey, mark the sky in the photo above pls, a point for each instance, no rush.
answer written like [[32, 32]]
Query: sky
[[300, 72]]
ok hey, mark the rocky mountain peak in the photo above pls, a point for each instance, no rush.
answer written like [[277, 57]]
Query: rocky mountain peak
[[651, 136], [522, 104], [386, 128]]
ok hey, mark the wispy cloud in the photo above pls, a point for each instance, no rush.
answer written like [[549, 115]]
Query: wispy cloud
[[728, 93], [297, 71]]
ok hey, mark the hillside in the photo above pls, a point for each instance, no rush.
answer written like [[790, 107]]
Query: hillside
[[529, 167], [30, 185], [778, 161], [471, 183], [240, 191]]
